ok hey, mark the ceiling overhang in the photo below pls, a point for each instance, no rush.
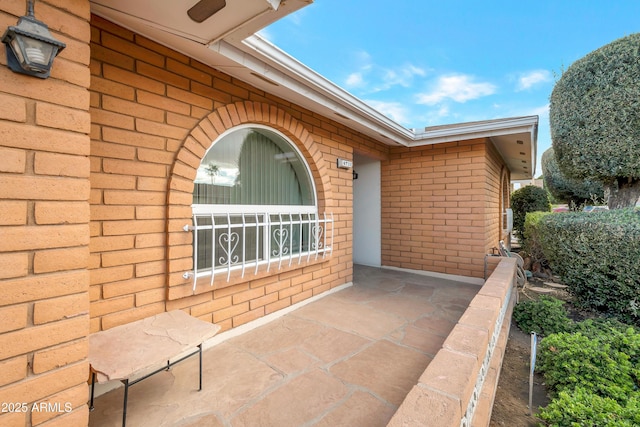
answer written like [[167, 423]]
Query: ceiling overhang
[[227, 42], [515, 138], [235, 20]]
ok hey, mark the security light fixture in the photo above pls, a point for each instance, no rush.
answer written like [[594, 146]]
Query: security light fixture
[[30, 46]]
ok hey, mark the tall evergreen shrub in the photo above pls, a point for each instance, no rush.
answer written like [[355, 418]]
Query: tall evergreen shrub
[[598, 257], [527, 199]]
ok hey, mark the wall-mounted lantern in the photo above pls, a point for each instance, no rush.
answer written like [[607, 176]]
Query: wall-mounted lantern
[[30, 46]]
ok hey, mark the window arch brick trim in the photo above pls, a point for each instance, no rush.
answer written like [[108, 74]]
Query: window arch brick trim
[[189, 156]]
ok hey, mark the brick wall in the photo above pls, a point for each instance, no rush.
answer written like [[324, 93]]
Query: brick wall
[[95, 187], [44, 222], [154, 113], [440, 207], [459, 386]]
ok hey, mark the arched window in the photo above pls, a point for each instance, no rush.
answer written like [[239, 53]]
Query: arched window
[[505, 210], [254, 203], [253, 166]]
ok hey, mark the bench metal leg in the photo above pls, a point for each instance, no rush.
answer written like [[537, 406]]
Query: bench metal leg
[[127, 384], [200, 351], [124, 408], [93, 387]]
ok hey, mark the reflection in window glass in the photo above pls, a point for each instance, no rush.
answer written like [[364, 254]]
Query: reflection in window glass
[[253, 200], [253, 166]]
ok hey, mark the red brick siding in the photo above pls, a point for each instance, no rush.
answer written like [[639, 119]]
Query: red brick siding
[[440, 207], [102, 180], [44, 223], [154, 114]]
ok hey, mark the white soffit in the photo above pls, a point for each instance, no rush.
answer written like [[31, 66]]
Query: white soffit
[[515, 139], [171, 16]]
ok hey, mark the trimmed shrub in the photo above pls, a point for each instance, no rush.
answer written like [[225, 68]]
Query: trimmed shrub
[[583, 408], [595, 119], [597, 255], [545, 316], [574, 360], [565, 189], [592, 374], [619, 336], [527, 199], [531, 239]]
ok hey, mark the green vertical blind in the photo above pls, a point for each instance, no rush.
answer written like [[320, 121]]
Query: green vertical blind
[[255, 201], [253, 166]]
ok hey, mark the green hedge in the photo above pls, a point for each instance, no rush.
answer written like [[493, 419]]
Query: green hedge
[[592, 375], [594, 114], [531, 242], [598, 257], [544, 316], [565, 189], [581, 408], [574, 360], [527, 199]]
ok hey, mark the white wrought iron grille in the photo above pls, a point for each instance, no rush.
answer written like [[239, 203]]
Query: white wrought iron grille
[[226, 242]]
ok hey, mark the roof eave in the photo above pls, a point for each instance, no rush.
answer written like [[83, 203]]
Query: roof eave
[[276, 65], [488, 129], [296, 76]]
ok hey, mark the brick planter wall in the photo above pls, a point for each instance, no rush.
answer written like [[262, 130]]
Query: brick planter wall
[[458, 387]]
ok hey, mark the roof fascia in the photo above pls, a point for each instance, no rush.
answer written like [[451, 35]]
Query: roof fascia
[[313, 85], [508, 126], [291, 73]]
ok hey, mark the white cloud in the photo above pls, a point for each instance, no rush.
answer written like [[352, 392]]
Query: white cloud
[[394, 110], [532, 78], [354, 80], [416, 70], [538, 111], [371, 78], [363, 57], [433, 117], [399, 76], [357, 78], [457, 87], [442, 112]]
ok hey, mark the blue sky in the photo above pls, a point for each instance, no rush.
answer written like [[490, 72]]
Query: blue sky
[[425, 63]]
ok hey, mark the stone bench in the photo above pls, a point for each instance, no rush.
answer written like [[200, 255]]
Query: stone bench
[[126, 353]]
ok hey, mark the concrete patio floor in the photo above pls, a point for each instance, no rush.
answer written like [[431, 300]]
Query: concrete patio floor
[[347, 359]]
